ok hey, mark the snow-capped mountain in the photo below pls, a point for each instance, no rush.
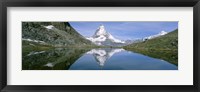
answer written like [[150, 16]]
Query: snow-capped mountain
[[154, 36], [102, 55], [102, 37]]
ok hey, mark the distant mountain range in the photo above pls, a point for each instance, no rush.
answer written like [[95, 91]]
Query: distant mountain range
[[103, 38]]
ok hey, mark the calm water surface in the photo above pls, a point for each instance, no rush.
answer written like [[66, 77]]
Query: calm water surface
[[95, 59]]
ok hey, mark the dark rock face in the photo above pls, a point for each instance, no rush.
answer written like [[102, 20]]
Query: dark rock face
[[53, 33]]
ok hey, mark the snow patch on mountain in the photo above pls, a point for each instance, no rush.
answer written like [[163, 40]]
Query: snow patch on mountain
[[154, 36], [97, 39], [34, 53], [114, 39], [49, 27], [49, 65]]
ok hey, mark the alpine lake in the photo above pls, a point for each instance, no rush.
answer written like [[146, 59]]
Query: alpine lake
[[92, 59]]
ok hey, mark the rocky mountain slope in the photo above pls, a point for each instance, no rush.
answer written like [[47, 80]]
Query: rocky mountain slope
[[57, 34]]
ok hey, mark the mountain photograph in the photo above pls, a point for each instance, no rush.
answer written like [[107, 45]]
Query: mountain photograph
[[100, 45]]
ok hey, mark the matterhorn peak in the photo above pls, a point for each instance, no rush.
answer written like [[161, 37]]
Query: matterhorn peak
[[102, 37], [101, 30]]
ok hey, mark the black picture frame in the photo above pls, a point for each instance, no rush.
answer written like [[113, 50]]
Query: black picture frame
[[100, 3]]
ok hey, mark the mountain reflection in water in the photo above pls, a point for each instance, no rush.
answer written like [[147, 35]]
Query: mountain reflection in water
[[95, 59], [102, 55]]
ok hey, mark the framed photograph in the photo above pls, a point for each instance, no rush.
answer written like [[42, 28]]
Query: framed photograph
[[122, 45]]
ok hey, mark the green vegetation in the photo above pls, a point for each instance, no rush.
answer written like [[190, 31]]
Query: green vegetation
[[163, 47]]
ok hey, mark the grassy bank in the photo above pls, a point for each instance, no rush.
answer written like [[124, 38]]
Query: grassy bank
[[163, 47], [168, 55]]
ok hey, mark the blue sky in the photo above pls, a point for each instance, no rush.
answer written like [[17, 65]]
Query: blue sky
[[125, 30]]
